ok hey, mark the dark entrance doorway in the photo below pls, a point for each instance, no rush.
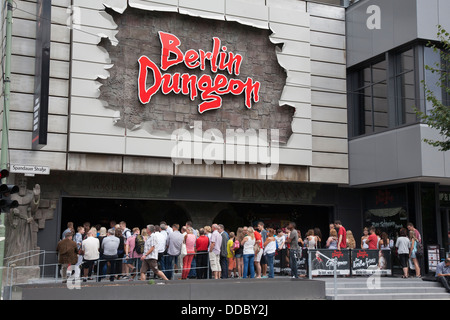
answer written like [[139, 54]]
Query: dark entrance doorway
[[140, 213], [277, 216], [136, 213], [445, 222]]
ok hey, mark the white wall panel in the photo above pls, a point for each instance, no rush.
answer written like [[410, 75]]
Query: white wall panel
[[327, 40], [54, 160], [328, 55], [325, 69], [22, 140], [328, 25], [286, 15], [326, 99], [85, 88], [247, 13], [329, 114], [325, 11], [90, 70], [95, 125], [203, 8], [324, 144], [159, 5], [330, 160], [24, 102], [92, 143], [90, 53], [90, 107], [329, 129]]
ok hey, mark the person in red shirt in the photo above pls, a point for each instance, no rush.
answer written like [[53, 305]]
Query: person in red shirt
[[258, 240], [342, 235], [372, 241], [201, 245]]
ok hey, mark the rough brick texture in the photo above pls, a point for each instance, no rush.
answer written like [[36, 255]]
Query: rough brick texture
[[138, 35]]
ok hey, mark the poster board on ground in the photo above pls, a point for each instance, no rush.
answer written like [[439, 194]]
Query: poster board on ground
[[321, 266], [366, 262]]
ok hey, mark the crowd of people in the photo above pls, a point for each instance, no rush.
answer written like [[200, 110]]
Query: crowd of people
[[249, 252], [211, 251]]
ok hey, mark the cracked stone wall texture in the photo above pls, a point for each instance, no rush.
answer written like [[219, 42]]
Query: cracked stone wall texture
[[138, 35]]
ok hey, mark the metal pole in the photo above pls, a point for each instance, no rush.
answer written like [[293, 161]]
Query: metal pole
[[5, 130], [309, 265], [43, 266], [335, 278], [207, 273]]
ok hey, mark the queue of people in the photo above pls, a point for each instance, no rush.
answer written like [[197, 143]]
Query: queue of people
[[121, 253]]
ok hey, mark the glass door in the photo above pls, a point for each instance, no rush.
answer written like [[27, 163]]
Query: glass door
[[445, 219]]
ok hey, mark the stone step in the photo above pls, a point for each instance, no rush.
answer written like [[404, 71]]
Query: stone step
[[385, 290], [382, 283], [384, 296], [390, 288]]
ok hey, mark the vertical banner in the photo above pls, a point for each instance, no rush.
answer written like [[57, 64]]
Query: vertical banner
[[433, 257], [366, 262], [42, 74], [321, 266]]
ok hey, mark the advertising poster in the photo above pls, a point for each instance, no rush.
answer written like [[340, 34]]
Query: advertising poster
[[366, 262], [321, 266], [433, 257]]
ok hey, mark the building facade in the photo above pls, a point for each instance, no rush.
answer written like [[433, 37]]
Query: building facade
[[387, 68], [230, 111]]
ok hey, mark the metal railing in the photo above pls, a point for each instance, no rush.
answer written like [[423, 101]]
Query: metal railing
[[103, 268]]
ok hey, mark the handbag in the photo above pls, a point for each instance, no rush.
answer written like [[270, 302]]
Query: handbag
[[257, 248], [183, 249]]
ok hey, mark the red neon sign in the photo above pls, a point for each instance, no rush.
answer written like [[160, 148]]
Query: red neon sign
[[209, 89]]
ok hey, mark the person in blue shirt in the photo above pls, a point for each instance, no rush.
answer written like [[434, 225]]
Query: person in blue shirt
[[443, 274]]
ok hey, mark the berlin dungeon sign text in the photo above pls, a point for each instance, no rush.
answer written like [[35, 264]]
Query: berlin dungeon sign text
[[210, 90]]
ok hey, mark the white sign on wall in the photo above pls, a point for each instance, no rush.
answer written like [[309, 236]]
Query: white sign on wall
[[29, 170]]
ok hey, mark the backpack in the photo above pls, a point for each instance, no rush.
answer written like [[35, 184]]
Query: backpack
[[139, 244], [419, 248], [126, 233], [236, 245]]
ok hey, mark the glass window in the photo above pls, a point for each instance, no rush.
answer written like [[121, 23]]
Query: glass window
[[383, 93], [405, 92], [370, 107], [380, 97], [445, 79]]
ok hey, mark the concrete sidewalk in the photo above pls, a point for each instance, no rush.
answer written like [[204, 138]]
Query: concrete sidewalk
[[222, 289]]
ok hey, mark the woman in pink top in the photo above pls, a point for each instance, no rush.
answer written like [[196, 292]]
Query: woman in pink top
[[189, 240]]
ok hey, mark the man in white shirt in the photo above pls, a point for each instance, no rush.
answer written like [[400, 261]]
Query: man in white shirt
[[150, 256], [126, 233], [90, 247], [214, 251], [165, 234], [161, 246], [175, 242]]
